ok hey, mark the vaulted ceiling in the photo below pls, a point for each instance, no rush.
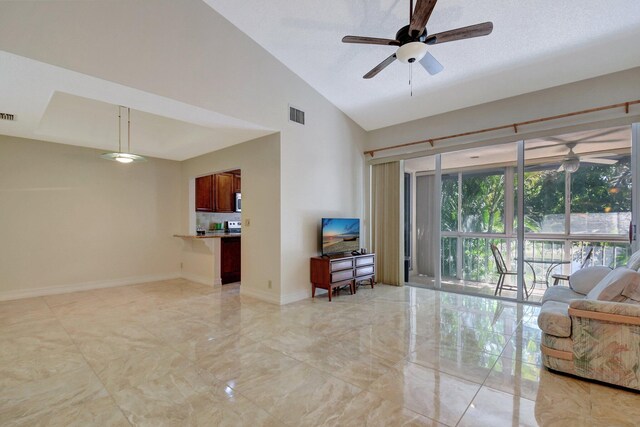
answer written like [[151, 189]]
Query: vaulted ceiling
[[196, 83], [534, 45]]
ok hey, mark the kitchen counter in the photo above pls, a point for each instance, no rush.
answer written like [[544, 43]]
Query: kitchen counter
[[209, 235], [202, 256]]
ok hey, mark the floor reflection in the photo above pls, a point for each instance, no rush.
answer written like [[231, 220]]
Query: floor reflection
[[179, 353]]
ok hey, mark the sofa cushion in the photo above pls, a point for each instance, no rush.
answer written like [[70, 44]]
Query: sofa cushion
[[613, 285], [634, 261], [585, 279], [560, 294], [554, 319]]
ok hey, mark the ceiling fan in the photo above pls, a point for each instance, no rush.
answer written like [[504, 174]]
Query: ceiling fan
[[571, 161], [412, 40]]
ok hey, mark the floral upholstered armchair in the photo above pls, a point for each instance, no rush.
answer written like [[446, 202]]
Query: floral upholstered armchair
[[592, 328]]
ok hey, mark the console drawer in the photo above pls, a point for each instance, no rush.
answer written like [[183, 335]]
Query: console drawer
[[341, 275], [343, 264], [365, 260], [364, 271]]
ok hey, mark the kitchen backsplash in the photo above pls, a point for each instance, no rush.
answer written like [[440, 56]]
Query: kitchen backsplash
[[207, 219]]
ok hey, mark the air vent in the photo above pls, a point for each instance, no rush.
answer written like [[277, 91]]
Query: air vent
[[12, 118], [296, 115]]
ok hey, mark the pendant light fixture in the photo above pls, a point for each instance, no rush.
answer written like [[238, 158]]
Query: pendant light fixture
[[126, 157]]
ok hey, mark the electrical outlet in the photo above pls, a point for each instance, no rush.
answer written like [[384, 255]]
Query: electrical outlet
[[269, 284], [247, 222]]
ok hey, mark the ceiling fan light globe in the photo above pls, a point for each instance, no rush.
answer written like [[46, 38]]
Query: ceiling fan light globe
[[571, 165], [411, 52]]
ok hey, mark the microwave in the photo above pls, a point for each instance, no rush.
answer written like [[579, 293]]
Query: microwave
[[238, 202]]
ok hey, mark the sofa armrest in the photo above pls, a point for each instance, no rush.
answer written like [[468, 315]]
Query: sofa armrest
[[613, 312], [554, 319]]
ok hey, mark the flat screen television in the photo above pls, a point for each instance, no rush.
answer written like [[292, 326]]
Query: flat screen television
[[340, 235]]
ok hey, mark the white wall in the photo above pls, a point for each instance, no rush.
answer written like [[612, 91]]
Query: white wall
[[322, 176], [207, 62], [70, 220], [605, 90], [259, 162]]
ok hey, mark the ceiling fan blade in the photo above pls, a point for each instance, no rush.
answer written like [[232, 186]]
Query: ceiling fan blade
[[431, 64], [557, 140], [471, 31], [538, 147], [370, 40], [607, 132], [381, 66], [598, 155], [600, 141], [598, 161], [421, 15]]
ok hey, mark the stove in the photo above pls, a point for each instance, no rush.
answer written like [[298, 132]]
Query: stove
[[233, 226]]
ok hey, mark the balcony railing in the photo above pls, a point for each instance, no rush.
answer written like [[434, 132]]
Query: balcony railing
[[468, 257]]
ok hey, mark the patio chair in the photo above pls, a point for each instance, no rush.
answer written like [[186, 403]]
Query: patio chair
[[558, 277], [503, 271]]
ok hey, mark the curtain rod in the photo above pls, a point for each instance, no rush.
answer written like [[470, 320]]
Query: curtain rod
[[513, 126]]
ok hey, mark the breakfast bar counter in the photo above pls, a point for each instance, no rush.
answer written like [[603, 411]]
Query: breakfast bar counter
[[212, 258], [212, 235]]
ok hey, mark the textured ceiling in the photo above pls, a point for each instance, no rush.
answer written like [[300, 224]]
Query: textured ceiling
[[105, 53], [534, 45]]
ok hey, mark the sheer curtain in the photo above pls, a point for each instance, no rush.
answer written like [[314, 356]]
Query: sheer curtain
[[386, 225], [426, 243]]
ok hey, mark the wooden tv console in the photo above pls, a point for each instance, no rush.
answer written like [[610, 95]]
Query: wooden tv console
[[335, 271]]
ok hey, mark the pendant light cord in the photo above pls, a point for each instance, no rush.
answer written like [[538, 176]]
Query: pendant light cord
[[411, 78], [119, 128], [125, 156], [128, 130]]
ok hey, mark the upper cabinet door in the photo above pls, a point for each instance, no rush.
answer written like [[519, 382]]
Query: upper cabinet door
[[236, 183], [204, 194], [224, 195]]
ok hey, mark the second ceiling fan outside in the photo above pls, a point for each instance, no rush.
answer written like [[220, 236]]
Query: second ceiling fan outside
[[413, 39]]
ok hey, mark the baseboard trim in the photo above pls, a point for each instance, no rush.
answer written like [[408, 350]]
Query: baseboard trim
[[295, 296], [87, 286], [275, 299], [261, 295], [203, 280]]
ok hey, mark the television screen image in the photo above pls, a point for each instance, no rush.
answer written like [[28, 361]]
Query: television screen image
[[340, 235]]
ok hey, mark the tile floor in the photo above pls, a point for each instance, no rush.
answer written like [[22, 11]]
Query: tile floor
[[479, 288], [179, 353]]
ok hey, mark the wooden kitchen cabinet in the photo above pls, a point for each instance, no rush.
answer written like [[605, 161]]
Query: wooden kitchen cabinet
[[230, 260], [204, 194], [216, 193], [224, 194]]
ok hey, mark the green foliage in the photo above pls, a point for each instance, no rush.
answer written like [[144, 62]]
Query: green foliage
[[483, 202], [594, 189], [449, 213], [543, 195], [479, 264], [602, 188]]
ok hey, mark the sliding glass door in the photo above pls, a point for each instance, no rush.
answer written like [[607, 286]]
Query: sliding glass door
[[576, 197], [578, 204]]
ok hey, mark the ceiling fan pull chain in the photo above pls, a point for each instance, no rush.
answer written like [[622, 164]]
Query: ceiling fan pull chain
[[411, 78]]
